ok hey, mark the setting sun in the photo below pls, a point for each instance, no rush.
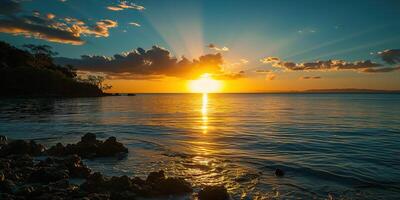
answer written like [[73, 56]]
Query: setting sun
[[205, 84]]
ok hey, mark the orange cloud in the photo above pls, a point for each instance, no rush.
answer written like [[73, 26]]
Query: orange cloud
[[68, 30], [125, 5], [156, 61], [328, 65], [18, 27]]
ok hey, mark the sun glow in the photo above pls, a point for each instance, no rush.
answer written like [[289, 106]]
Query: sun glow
[[205, 84]]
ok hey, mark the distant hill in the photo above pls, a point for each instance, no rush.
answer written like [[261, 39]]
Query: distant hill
[[32, 73], [349, 90]]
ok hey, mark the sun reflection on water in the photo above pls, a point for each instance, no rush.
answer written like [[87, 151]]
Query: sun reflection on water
[[204, 118]]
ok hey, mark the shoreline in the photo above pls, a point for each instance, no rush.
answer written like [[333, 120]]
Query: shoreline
[[30, 171]]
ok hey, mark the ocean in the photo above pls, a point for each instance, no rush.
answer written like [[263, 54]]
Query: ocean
[[330, 146]]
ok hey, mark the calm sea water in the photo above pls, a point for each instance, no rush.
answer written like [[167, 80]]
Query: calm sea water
[[331, 146]]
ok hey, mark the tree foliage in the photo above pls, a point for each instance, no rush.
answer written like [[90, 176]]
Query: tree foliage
[[32, 72]]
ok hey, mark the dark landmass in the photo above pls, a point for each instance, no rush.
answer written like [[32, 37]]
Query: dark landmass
[[23, 176], [330, 91], [349, 90], [31, 72], [119, 94]]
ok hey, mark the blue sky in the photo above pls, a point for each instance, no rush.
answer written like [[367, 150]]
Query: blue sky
[[256, 25], [297, 31]]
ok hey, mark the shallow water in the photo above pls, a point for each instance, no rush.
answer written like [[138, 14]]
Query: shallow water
[[331, 146]]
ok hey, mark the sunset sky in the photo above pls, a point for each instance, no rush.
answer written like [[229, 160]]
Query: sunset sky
[[248, 46]]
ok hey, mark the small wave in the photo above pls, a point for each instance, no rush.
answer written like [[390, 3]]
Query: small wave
[[330, 176]]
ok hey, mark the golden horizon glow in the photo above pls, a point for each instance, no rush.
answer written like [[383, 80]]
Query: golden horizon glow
[[205, 84]]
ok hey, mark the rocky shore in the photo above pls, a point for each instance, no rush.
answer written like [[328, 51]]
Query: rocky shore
[[30, 171]]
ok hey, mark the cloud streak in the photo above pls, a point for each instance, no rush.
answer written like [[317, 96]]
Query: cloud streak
[[135, 24], [216, 48], [384, 69], [269, 75], [123, 5], [310, 77], [366, 66], [390, 56]]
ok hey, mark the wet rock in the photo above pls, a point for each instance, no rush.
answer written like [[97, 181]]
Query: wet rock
[[125, 195], [19, 161], [97, 196], [25, 190], [7, 196], [122, 183], [19, 147], [155, 177], [4, 164], [22, 178], [76, 167], [174, 186], [3, 140], [90, 147], [16, 167], [72, 164], [157, 184], [111, 147], [88, 138], [138, 181], [94, 183], [2, 177], [57, 150], [126, 188], [7, 186], [48, 174], [61, 184], [97, 183], [213, 193], [279, 172]]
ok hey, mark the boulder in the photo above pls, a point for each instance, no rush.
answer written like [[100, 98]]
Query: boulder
[[90, 147], [111, 147], [155, 177], [157, 184], [213, 193], [57, 150], [2, 177], [25, 190], [122, 183], [19, 161], [76, 167], [48, 174], [3, 140], [72, 164], [94, 183], [4, 164], [7, 186], [279, 172], [19, 147], [89, 138], [174, 186], [125, 195]]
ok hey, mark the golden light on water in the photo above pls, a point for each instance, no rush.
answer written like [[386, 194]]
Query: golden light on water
[[204, 113], [205, 84]]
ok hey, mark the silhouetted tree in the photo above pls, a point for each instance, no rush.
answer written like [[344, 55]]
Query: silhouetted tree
[[32, 72]]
